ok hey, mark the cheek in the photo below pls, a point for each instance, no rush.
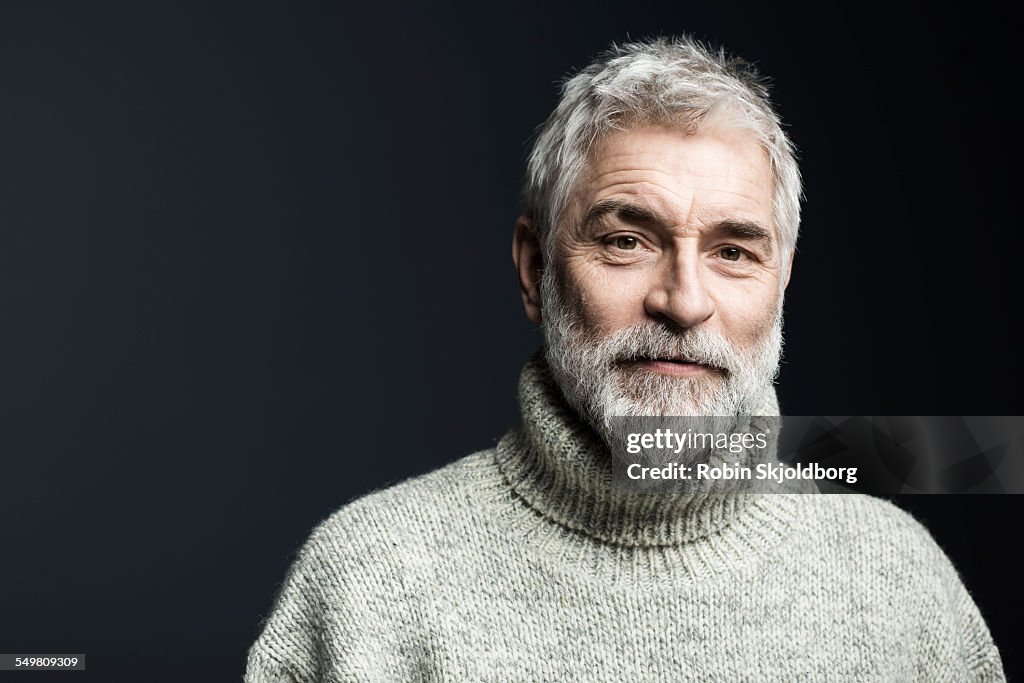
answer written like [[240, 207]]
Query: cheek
[[608, 299], [746, 318]]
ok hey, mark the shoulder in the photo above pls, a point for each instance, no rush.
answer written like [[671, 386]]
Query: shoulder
[[359, 571], [879, 548], [394, 527], [868, 523], [882, 554]]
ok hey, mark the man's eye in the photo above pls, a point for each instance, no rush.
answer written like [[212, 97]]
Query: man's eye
[[626, 242], [730, 253]]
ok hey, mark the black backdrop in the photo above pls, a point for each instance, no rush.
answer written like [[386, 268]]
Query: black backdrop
[[254, 261]]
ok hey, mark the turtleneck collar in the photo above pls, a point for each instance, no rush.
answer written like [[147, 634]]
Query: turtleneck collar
[[560, 467]]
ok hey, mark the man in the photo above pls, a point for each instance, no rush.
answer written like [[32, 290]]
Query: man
[[662, 207]]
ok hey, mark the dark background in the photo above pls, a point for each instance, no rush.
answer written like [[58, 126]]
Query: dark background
[[255, 261]]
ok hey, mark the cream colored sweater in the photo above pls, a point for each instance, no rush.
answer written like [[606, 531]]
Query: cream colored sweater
[[517, 564]]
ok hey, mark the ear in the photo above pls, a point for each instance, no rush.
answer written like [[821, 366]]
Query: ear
[[526, 254], [788, 269]]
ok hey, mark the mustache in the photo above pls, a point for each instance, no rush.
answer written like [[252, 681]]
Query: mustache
[[654, 341]]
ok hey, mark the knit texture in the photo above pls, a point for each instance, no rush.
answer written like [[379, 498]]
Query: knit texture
[[518, 564]]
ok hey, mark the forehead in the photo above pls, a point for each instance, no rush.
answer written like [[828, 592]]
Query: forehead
[[714, 173]]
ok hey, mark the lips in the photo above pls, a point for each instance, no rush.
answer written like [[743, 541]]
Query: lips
[[679, 360], [672, 365]]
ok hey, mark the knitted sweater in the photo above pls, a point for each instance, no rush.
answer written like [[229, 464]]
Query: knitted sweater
[[519, 564]]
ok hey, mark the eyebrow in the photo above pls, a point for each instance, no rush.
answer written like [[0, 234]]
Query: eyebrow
[[625, 210], [747, 230]]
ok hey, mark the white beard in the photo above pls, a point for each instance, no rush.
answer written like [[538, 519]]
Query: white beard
[[597, 382]]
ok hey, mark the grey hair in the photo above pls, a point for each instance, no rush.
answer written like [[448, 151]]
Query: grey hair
[[675, 81]]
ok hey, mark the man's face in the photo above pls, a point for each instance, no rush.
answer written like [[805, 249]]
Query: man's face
[[662, 294]]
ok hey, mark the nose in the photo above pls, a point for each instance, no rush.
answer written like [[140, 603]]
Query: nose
[[679, 292]]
